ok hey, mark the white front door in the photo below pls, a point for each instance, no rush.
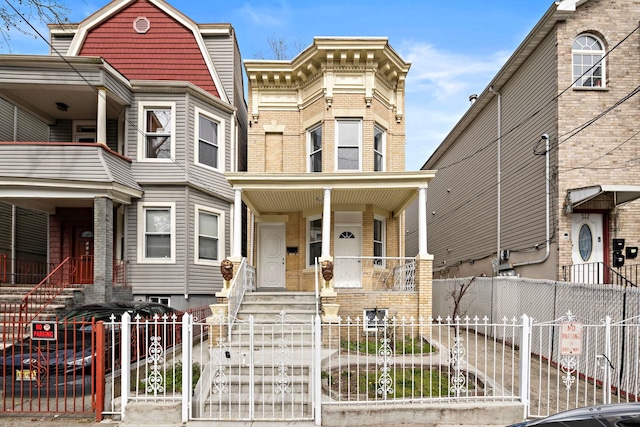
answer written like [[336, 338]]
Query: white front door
[[587, 254], [348, 243], [271, 250]]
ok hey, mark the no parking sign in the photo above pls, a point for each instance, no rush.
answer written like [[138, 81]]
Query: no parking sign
[[570, 338]]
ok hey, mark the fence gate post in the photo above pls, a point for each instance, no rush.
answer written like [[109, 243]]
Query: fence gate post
[[525, 363], [187, 366], [317, 376], [125, 361], [606, 379]]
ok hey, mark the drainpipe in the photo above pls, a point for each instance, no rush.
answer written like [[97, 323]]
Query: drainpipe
[[546, 256], [13, 244], [499, 173]]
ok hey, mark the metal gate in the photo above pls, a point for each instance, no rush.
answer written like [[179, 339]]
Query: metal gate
[[576, 363], [261, 370]]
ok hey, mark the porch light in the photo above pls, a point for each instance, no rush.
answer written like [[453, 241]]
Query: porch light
[[62, 106]]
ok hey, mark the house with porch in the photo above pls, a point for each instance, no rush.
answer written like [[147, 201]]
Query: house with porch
[[325, 180], [120, 139], [539, 178]]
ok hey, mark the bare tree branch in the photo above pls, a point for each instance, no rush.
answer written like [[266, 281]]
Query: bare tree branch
[[279, 49], [20, 16], [456, 294]]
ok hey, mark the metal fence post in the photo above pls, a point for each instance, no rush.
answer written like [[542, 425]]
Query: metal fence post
[[525, 363], [187, 366], [606, 380], [317, 376], [125, 358]]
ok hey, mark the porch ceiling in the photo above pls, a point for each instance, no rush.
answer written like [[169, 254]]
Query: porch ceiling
[[279, 193], [618, 194]]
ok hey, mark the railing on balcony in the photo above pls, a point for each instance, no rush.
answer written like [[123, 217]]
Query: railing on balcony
[[376, 273], [19, 271], [599, 273], [120, 267]]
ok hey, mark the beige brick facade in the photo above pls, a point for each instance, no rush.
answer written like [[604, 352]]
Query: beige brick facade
[[356, 80]]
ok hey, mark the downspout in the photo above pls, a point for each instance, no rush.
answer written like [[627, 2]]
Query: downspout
[[13, 244], [546, 256], [499, 173]]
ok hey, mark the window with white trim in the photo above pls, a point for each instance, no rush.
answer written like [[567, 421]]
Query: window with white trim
[[588, 61], [379, 226], [348, 142], [379, 136], [314, 239], [160, 300], [314, 137], [209, 140], [156, 142], [156, 236], [209, 235]]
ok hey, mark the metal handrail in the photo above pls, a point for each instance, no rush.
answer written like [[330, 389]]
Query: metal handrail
[[598, 273], [242, 282]]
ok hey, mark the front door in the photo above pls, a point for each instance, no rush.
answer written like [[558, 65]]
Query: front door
[[348, 249], [587, 254], [271, 250], [83, 253]]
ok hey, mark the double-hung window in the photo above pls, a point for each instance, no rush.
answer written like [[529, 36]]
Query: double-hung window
[[209, 232], [157, 141], [378, 149], [156, 237], [314, 137], [378, 240], [314, 233], [588, 61], [208, 140], [348, 142]]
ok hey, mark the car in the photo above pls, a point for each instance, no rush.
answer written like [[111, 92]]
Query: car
[[104, 311], [611, 415]]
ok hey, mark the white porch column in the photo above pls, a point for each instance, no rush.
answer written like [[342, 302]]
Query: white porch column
[[236, 251], [101, 122], [422, 221], [326, 224]]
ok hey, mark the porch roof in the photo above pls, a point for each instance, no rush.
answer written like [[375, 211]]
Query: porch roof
[[287, 192], [619, 194], [45, 175]]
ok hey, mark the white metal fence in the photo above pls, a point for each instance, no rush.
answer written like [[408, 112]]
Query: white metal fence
[[286, 369]]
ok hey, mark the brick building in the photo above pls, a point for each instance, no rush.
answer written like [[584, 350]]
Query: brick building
[[325, 176]]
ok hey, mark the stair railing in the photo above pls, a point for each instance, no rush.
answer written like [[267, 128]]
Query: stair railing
[[243, 281], [47, 290]]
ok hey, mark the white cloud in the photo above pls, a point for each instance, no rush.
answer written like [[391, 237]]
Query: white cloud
[[266, 16], [437, 94]]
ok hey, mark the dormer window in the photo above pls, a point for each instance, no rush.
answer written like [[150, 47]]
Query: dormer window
[[588, 61]]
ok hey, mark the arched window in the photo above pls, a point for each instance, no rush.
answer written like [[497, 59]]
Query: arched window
[[588, 61]]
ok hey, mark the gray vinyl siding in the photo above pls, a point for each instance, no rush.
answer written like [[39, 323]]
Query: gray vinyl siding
[[221, 51], [523, 172], [31, 234], [463, 193], [62, 131], [158, 279], [241, 115], [411, 244], [205, 279], [200, 176], [42, 75], [60, 44], [5, 229], [159, 172], [31, 129], [6, 121]]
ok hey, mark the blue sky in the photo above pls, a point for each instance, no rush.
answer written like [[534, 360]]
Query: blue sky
[[455, 47]]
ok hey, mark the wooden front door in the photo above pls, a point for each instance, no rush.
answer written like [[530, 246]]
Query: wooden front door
[[83, 254]]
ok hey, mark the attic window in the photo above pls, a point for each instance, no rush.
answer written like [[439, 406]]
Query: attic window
[[141, 25]]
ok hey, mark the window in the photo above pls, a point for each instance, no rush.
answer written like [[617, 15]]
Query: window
[[374, 317], [348, 144], [156, 237], [378, 240], [314, 231], [209, 142], [160, 300], [315, 149], [156, 142], [588, 61], [378, 149], [209, 232]]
